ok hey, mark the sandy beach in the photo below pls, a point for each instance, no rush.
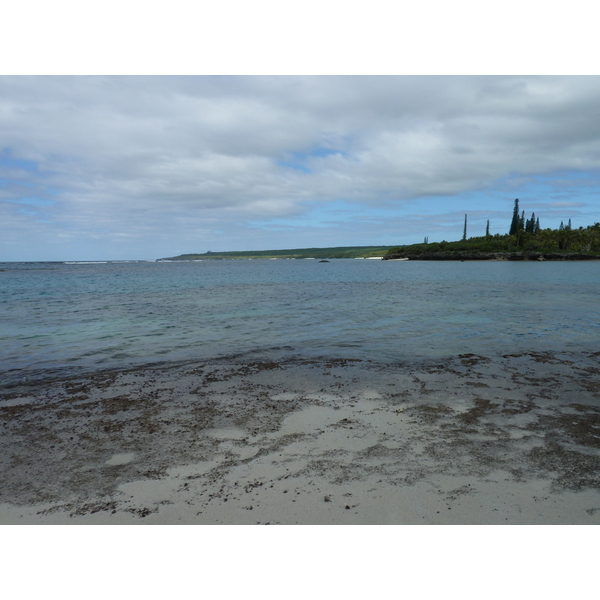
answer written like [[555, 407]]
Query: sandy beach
[[511, 439]]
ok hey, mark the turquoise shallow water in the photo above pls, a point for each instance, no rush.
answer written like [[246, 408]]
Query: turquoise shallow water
[[95, 316]]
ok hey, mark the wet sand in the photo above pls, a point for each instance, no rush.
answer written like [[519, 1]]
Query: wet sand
[[511, 439]]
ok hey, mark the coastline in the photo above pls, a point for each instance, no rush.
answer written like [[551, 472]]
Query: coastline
[[512, 439], [495, 256]]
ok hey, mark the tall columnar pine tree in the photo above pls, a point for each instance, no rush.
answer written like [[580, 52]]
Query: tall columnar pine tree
[[522, 221], [465, 229], [514, 225], [537, 224], [487, 229]]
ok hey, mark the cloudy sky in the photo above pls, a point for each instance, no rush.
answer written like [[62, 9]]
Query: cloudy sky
[[124, 167]]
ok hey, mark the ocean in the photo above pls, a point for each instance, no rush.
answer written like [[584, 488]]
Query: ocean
[[70, 318]]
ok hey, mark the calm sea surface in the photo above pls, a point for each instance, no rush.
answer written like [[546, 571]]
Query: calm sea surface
[[72, 317]]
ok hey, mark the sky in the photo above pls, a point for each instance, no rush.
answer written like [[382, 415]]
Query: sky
[[145, 167]]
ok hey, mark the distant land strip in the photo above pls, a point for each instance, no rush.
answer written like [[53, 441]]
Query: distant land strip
[[316, 253], [525, 243]]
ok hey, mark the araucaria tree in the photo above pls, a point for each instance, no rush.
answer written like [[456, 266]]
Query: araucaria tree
[[514, 225], [487, 229], [465, 229], [530, 225]]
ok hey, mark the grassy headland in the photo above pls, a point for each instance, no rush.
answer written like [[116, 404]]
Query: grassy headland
[[321, 253]]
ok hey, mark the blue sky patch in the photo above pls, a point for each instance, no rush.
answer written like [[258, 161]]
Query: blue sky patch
[[33, 202], [17, 163], [293, 165], [299, 160]]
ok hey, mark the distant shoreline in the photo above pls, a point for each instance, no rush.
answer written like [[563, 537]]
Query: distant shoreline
[[290, 253], [496, 256], [381, 253]]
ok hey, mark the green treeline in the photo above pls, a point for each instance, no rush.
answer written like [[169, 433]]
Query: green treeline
[[524, 235]]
